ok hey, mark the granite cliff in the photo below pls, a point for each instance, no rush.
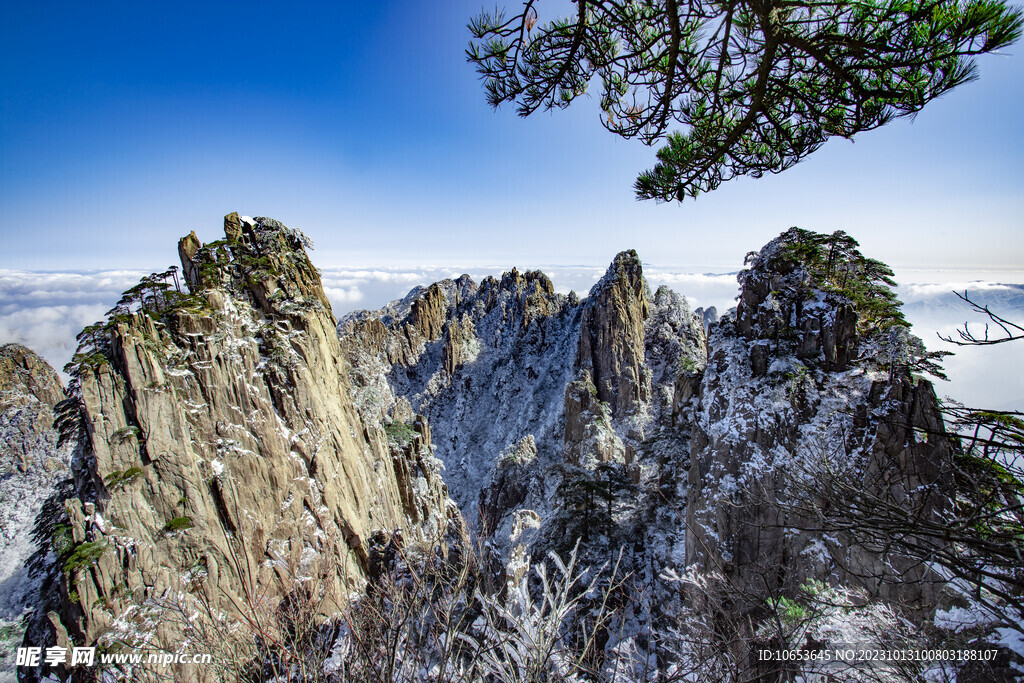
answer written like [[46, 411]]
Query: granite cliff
[[706, 450], [532, 392], [812, 380], [220, 460]]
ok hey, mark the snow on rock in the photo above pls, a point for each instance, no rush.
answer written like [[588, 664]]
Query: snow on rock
[[221, 443], [529, 393], [486, 364], [798, 377], [31, 464]]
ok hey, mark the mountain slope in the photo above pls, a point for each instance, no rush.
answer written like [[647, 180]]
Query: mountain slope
[[221, 463], [30, 465], [519, 381], [720, 465]]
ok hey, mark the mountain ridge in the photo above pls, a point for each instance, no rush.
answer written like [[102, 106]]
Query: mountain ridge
[[233, 438]]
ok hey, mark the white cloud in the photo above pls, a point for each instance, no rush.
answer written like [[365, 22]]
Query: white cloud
[[49, 330], [700, 289], [45, 310], [980, 376], [343, 295], [914, 292]]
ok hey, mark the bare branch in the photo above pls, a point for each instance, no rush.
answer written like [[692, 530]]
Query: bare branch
[[1010, 331]]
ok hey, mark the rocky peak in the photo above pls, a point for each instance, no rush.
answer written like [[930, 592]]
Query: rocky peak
[[429, 313], [221, 455], [801, 377], [612, 335], [23, 373], [510, 374], [232, 445], [526, 296], [494, 344], [258, 257], [816, 295], [401, 331]]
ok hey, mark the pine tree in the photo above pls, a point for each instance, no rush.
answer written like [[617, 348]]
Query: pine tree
[[755, 85]]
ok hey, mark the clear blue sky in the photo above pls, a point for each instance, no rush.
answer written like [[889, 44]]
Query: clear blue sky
[[124, 125]]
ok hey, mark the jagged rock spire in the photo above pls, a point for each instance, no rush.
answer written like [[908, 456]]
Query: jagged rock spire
[[612, 335]]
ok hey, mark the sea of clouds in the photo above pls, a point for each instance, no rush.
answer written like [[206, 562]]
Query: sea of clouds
[[45, 310]]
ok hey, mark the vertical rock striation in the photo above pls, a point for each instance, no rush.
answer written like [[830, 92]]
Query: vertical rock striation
[[221, 457], [235, 440], [612, 335], [487, 363]]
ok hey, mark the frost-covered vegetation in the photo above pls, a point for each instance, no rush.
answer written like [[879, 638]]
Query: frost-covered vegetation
[[834, 265], [817, 359], [433, 615]]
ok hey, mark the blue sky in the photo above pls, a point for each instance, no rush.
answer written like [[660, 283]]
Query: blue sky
[[125, 125]]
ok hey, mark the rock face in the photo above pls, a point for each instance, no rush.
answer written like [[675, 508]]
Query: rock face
[[221, 456], [31, 464], [29, 389], [800, 377], [612, 336], [629, 421], [24, 375], [488, 368], [531, 392]]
